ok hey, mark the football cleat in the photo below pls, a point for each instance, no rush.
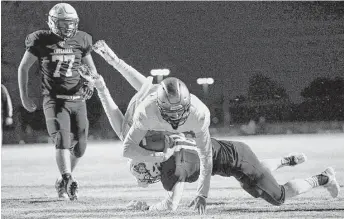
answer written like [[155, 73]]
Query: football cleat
[[104, 51], [60, 188], [332, 185], [294, 159], [72, 188]]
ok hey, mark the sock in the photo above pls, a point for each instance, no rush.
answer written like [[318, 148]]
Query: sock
[[66, 176], [63, 161], [317, 180], [74, 161], [298, 186]]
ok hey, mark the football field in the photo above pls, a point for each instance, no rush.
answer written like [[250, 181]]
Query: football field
[[28, 175]]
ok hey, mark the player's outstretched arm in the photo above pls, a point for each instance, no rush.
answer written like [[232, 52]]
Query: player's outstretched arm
[[203, 142], [111, 109], [23, 74], [135, 78], [171, 202], [132, 149]]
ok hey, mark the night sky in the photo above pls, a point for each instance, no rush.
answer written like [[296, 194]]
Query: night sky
[[291, 42]]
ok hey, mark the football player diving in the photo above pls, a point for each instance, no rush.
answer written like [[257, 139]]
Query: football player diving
[[182, 164], [59, 52], [167, 107]]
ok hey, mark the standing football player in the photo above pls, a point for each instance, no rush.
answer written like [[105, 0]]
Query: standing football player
[[230, 158], [60, 51]]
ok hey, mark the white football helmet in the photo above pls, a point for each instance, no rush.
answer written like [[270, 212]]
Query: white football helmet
[[173, 100], [63, 20], [145, 172]]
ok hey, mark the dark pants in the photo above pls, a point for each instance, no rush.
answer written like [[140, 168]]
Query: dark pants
[[67, 123], [255, 179]]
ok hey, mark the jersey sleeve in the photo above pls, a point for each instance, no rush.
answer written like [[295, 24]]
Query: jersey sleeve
[[32, 43], [203, 142], [131, 144], [88, 45]]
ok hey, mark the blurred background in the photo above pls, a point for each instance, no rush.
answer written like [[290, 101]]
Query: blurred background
[[261, 67]]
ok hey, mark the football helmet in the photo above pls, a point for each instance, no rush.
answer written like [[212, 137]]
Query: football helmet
[[145, 172], [63, 20], [173, 100]]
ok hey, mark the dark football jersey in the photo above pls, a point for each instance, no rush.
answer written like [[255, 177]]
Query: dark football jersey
[[225, 160], [59, 60]]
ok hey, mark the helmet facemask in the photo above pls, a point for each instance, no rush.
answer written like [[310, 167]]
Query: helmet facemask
[[65, 28], [176, 117], [173, 100]]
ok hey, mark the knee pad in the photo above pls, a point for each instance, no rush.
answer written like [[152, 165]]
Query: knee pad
[[61, 139]]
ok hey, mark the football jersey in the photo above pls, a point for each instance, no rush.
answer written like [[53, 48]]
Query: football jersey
[[186, 164], [147, 117], [59, 60]]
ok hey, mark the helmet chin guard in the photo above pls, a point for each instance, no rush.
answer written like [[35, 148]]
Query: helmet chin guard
[[63, 20], [173, 100]]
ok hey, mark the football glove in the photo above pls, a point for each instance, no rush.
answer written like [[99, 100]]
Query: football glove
[[94, 79], [137, 205], [88, 89]]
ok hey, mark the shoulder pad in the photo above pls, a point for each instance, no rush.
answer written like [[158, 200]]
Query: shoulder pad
[[34, 38]]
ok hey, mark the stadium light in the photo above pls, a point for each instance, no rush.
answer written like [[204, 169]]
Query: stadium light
[[160, 73], [205, 82]]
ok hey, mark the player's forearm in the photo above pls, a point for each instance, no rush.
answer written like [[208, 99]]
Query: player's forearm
[[203, 187], [171, 202], [9, 107], [134, 151], [22, 81], [111, 109], [206, 163]]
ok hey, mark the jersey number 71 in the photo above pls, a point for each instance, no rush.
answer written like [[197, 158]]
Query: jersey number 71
[[63, 60]]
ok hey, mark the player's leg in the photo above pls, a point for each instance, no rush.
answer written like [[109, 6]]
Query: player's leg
[[79, 129], [292, 159], [255, 178], [326, 178], [135, 78], [259, 182], [58, 126]]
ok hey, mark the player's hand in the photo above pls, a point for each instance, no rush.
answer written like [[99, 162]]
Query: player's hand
[[200, 203], [137, 205], [104, 51], [168, 152], [28, 104], [8, 121], [88, 89], [92, 77]]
